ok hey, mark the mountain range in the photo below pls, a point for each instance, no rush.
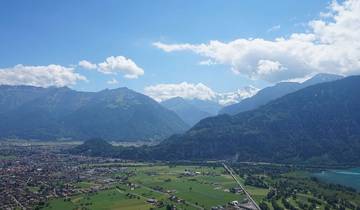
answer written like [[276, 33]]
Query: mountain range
[[192, 111], [317, 124], [268, 94], [28, 112]]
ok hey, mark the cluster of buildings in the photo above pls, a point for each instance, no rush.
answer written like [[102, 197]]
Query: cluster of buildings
[[30, 176], [191, 173], [236, 205]]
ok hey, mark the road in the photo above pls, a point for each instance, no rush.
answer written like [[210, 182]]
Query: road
[[18, 203], [230, 171]]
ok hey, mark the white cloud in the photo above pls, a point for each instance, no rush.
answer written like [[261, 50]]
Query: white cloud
[[114, 65], [161, 92], [331, 45], [186, 90], [274, 28], [41, 76], [87, 64], [208, 62], [265, 67], [236, 96], [113, 81], [176, 47]]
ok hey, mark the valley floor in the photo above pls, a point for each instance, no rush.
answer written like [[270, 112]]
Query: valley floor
[[157, 187], [44, 177]]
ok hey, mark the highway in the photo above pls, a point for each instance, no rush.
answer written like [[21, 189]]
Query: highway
[[230, 171]]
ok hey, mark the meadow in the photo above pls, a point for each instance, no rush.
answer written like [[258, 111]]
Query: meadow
[[192, 187], [204, 187], [107, 199]]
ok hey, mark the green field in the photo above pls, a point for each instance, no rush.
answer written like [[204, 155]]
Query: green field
[[203, 187], [107, 199], [204, 190], [209, 187], [291, 187], [7, 157], [84, 184]]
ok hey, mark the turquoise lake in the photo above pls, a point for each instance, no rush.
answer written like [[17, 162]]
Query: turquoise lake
[[349, 177]]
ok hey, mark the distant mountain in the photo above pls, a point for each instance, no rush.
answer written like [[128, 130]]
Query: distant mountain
[[318, 124], [12, 97], [208, 106], [261, 98], [270, 93], [61, 113], [192, 111], [321, 78], [228, 98]]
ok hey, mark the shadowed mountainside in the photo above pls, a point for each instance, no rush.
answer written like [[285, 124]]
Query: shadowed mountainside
[[318, 124], [61, 113]]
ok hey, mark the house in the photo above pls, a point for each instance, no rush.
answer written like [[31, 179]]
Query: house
[[236, 190], [151, 200], [234, 203]]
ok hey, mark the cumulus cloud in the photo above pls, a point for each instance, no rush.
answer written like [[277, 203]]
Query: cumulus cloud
[[186, 90], [41, 76], [161, 92], [331, 45], [208, 62], [115, 65], [87, 64], [265, 67], [121, 64], [113, 81]]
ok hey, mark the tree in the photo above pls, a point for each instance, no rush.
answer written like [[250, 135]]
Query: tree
[[264, 206]]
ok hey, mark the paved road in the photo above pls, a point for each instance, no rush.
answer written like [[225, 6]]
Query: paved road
[[228, 169], [19, 204]]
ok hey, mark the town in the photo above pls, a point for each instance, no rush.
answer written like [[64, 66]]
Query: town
[[37, 176]]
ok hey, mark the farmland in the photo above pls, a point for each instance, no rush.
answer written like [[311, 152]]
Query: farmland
[[43, 177], [187, 187]]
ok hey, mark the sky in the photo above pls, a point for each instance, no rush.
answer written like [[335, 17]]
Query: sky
[[194, 49]]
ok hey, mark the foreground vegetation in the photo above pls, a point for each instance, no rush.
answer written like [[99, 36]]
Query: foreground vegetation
[[293, 187]]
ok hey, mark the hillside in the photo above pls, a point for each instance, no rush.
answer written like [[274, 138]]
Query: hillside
[[191, 111], [318, 124], [62, 113], [268, 94]]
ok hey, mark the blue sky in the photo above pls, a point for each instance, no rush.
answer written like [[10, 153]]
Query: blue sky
[[41, 32]]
